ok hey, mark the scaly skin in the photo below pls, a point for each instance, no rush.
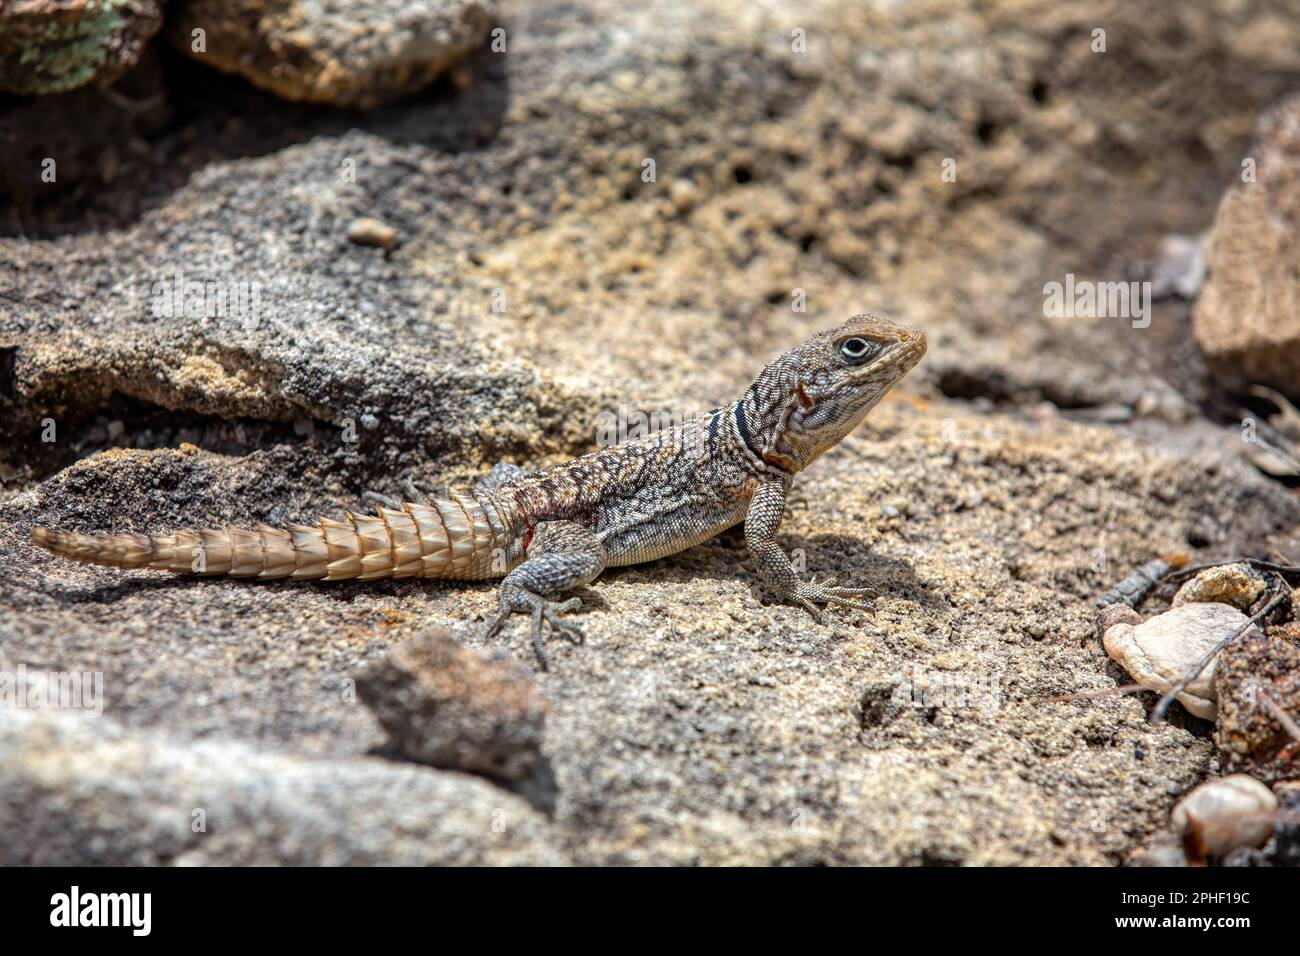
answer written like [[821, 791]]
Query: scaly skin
[[558, 529]]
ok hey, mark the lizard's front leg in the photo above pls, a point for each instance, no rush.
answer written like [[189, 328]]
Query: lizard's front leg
[[562, 555], [762, 520]]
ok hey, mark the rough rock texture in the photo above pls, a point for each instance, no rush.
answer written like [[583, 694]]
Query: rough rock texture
[[696, 724], [1250, 737], [449, 706], [1236, 584], [1247, 319], [53, 46], [79, 791], [1162, 649], [344, 52]]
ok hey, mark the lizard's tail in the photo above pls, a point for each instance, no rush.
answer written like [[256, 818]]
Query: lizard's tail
[[462, 539]]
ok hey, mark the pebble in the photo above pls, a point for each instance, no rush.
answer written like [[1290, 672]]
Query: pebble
[[1160, 651], [1236, 584], [1223, 815], [372, 232]]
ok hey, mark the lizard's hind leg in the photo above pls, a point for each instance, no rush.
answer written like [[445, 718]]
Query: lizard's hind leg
[[563, 555]]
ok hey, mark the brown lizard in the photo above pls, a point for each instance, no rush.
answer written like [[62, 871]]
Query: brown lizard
[[554, 530]]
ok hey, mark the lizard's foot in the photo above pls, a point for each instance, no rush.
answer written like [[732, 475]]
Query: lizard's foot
[[409, 489], [375, 498], [519, 600], [809, 595], [412, 492], [562, 556]]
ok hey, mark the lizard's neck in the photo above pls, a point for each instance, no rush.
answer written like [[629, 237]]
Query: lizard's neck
[[757, 420]]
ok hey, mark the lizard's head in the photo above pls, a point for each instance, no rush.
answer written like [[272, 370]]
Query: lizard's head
[[817, 393]]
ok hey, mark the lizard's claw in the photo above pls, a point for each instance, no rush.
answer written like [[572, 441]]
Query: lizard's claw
[[809, 595], [542, 611]]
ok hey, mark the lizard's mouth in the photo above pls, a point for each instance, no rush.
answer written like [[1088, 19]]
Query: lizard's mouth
[[912, 346]]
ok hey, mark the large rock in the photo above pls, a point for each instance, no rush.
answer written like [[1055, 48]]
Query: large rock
[[53, 46], [360, 53], [78, 791], [1247, 319]]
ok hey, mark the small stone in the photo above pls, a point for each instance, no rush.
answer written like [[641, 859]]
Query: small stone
[[1117, 613], [450, 706], [1180, 267], [1160, 651], [1254, 673], [372, 232], [1236, 584], [683, 193], [1222, 815]]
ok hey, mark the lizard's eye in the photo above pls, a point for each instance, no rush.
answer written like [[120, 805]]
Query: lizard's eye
[[857, 350]]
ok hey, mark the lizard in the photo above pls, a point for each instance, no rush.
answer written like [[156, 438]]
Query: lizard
[[549, 532]]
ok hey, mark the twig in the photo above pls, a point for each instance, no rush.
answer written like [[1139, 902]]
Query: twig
[[1178, 688], [1107, 692], [1256, 563]]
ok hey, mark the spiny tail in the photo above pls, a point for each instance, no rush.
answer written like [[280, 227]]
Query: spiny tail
[[463, 538]]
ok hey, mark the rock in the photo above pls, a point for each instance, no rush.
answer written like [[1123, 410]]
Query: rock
[[1223, 815], [1161, 650], [79, 791], [1247, 319], [372, 232], [1286, 834], [53, 46], [449, 706], [1117, 613], [1250, 737], [357, 54], [1239, 585]]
